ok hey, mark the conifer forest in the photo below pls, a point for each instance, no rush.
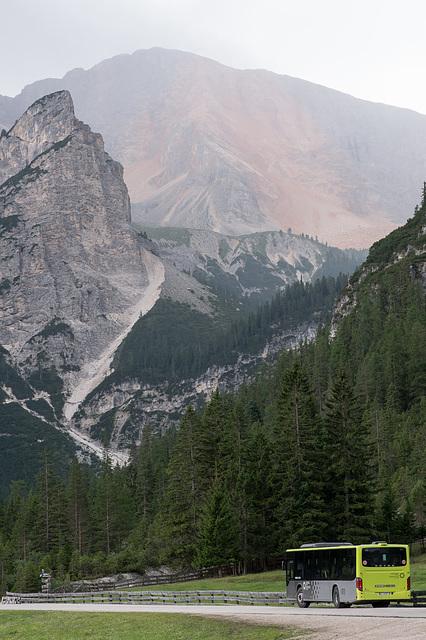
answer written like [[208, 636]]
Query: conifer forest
[[325, 443]]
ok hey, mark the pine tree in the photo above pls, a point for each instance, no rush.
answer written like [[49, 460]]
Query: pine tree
[[176, 526], [218, 542], [298, 460], [350, 461], [387, 517], [78, 517], [31, 581], [50, 505], [214, 438], [258, 499], [144, 479], [113, 507], [418, 500], [101, 506]]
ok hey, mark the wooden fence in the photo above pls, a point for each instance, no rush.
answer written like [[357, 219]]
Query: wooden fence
[[144, 581], [149, 597]]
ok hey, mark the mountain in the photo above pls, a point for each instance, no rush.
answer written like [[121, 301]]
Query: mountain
[[79, 284], [75, 276], [208, 147], [251, 268]]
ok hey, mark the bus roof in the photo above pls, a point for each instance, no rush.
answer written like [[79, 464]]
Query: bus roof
[[314, 545], [334, 545]]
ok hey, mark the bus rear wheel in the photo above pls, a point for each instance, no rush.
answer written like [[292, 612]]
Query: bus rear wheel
[[300, 600], [336, 598]]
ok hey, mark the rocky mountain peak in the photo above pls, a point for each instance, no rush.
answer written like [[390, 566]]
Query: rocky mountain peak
[[74, 274], [47, 121]]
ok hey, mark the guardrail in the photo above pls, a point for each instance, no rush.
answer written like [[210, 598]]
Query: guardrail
[[418, 598], [149, 597]]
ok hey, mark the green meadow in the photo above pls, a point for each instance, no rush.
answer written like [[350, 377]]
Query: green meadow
[[59, 625]]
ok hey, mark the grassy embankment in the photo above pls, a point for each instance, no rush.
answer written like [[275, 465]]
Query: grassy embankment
[[418, 572], [257, 582], [59, 625]]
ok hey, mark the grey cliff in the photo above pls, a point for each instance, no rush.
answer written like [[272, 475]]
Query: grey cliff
[[74, 274]]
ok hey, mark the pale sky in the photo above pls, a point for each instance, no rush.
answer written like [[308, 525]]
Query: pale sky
[[371, 49]]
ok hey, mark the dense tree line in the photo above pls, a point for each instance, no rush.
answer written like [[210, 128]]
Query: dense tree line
[[174, 342], [329, 443]]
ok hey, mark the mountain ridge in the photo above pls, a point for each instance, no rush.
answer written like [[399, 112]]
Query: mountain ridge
[[207, 146]]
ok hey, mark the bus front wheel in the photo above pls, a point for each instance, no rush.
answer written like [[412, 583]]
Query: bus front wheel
[[300, 600]]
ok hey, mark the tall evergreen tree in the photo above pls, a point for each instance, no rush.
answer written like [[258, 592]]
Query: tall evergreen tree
[[177, 524], [298, 460], [218, 541], [51, 508], [258, 500], [349, 464], [78, 516]]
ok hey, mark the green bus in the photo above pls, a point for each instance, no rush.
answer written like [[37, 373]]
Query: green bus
[[345, 574]]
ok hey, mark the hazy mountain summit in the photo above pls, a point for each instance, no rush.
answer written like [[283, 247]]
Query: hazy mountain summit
[[209, 147]]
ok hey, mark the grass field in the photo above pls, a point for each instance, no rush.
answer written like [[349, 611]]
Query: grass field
[[271, 581], [418, 572], [48, 625]]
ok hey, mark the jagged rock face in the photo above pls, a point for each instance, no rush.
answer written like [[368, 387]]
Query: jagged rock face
[[257, 264], [136, 404], [73, 271]]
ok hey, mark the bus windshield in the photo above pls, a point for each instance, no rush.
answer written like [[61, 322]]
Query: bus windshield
[[384, 557]]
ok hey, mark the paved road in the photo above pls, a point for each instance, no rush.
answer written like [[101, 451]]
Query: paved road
[[228, 610]]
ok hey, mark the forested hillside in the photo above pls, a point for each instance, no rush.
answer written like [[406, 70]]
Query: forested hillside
[[329, 443], [172, 342]]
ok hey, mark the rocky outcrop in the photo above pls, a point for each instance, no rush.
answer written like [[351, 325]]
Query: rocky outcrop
[[132, 403], [252, 266], [75, 276]]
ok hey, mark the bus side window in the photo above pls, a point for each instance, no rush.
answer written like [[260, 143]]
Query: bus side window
[[348, 565], [316, 566], [299, 570], [309, 573], [290, 570], [336, 563], [324, 564]]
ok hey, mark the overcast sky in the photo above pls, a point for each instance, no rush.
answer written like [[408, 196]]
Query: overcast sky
[[371, 49]]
